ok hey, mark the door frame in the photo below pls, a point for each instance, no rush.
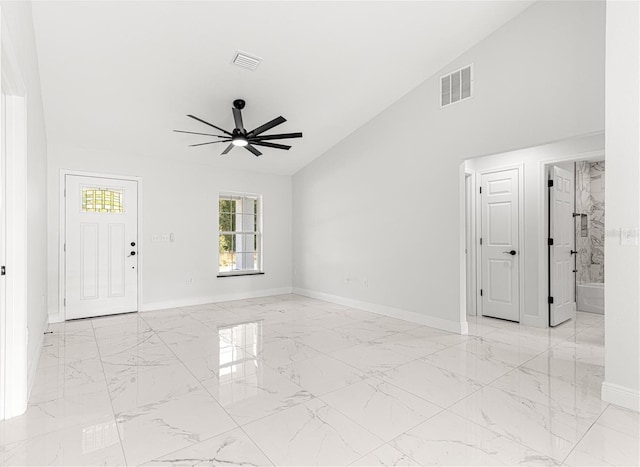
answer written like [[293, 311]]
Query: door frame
[[62, 281], [521, 260], [470, 243], [543, 222]]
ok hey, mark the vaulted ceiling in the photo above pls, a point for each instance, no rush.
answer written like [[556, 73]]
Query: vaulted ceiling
[[121, 76]]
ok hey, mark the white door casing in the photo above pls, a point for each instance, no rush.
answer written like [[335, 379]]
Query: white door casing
[[561, 260], [101, 261], [500, 249], [3, 260]]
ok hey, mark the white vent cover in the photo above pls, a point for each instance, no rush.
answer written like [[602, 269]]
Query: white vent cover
[[456, 86], [245, 60]]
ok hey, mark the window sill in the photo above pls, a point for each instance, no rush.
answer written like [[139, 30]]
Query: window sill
[[236, 274]]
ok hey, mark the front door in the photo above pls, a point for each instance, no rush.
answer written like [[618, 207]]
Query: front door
[[500, 245], [101, 245], [561, 261]]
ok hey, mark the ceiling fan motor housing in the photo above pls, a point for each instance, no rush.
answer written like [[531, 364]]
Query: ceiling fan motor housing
[[239, 104]]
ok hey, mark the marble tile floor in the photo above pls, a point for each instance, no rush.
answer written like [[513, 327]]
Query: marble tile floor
[[290, 380]]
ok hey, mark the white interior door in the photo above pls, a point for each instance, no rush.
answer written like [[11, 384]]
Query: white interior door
[[500, 245], [561, 261], [101, 245]]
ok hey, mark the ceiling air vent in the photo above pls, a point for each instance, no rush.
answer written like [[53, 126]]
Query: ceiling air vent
[[245, 60], [456, 86]]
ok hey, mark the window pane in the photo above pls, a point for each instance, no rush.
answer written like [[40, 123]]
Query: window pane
[[225, 206], [249, 261], [248, 223], [227, 243], [226, 222], [101, 200], [246, 244], [227, 262]]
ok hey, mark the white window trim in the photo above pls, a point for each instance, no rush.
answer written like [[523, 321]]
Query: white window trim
[[259, 234]]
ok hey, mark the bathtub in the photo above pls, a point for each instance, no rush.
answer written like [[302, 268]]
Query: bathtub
[[591, 297]]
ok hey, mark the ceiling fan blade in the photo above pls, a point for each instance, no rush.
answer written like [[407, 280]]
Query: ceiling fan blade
[[210, 124], [253, 150], [237, 118], [267, 126], [210, 142], [226, 151], [281, 136], [195, 133], [271, 145]]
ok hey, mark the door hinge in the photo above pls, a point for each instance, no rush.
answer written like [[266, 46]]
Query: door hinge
[[550, 241], [480, 190], [64, 302], [64, 247], [550, 300], [550, 183], [480, 240], [3, 270], [481, 292], [65, 192]]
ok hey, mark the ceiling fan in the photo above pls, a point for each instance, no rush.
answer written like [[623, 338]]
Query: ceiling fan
[[243, 138]]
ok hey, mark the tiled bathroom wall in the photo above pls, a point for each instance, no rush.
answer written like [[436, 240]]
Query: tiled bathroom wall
[[590, 201]]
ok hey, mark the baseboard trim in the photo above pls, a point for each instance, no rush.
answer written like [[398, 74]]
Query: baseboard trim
[[191, 301], [621, 395], [391, 312]]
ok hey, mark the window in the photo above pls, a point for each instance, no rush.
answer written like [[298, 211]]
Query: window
[[240, 234], [101, 200]]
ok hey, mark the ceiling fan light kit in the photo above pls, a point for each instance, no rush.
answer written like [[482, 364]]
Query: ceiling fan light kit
[[240, 137]]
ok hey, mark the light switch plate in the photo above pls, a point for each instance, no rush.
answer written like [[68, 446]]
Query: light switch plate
[[629, 236]]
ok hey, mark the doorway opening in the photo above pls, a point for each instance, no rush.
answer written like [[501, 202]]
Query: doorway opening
[[511, 218], [583, 285]]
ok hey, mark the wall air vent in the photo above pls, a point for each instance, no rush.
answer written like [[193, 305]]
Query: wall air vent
[[245, 60], [456, 86]]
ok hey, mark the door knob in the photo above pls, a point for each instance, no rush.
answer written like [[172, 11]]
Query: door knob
[[510, 252], [133, 253]]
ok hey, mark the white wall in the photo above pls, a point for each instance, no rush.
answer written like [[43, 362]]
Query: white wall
[[384, 203], [533, 159], [18, 20], [622, 176], [181, 197]]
